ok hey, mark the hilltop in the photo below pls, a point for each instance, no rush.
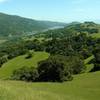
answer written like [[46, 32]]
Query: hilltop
[[74, 28]]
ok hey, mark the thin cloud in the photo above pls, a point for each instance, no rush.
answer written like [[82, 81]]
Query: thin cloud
[[2, 1]]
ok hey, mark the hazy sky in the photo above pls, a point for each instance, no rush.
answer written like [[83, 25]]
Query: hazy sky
[[53, 10]]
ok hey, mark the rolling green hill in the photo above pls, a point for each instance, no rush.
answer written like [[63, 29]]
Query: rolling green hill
[[20, 61], [15, 25], [90, 28], [83, 87]]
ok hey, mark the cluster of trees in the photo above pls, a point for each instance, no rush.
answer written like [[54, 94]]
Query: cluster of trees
[[97, 59], [56, 68], [67, 56], [80, 45], [14, 48]]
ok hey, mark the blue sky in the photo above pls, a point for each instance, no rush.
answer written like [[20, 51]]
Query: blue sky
[[53, 10]]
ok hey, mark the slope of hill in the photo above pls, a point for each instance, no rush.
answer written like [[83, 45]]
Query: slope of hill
[[83, 87], [89, 28], [20, 61], [86, 27], [15, 25]]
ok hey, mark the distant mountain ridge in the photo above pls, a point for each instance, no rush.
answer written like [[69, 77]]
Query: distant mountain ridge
[[70, 29], [16, 25]]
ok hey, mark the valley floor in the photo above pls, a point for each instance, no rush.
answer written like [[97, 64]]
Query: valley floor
[[83, 87]]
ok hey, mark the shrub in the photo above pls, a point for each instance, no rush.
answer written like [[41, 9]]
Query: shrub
[[29, 55], [25, 74], [3, 60]]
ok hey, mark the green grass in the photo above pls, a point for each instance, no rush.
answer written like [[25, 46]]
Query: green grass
[[88, 66], [20, 61], [96, 35], [86, 61], [83, 87]]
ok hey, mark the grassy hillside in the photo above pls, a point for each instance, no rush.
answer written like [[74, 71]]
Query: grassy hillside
[[97, 35], [20, 61], [83, 87]]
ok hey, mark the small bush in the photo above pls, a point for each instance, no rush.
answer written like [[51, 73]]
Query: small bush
[[3, 60], [29, 55], [25, 74]]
